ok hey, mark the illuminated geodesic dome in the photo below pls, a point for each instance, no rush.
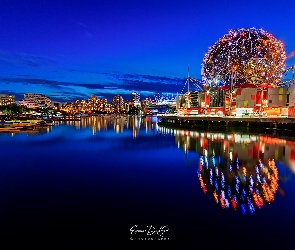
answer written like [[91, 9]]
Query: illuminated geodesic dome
[[237, 186], [244, 56]]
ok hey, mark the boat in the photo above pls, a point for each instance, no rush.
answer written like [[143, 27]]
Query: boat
[[7, 129], [49, 122]]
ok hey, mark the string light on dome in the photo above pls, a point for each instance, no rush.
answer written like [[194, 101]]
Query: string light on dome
[[249, 55]]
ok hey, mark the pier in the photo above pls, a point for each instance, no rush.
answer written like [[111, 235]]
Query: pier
[[271, 125]]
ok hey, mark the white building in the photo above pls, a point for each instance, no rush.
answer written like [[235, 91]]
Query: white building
[[32, 100]]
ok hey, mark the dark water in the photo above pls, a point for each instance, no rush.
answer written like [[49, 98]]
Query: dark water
[[128, 181]]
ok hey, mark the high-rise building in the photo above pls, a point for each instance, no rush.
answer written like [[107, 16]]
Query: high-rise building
[[135, 98], [96, 104], [118, 103]]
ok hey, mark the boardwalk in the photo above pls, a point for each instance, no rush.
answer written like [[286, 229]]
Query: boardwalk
[[270, 125], [227, 118]]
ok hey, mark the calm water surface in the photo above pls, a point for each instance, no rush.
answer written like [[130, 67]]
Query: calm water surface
[[124, 179]]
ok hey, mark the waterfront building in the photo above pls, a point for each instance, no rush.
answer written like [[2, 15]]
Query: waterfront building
[[34, 101], [195, 99], [96, 104], [78, 106], [69, 107], [6, 99], [118, 104], [56, 106], [135, 98], [183, 101], [108, 108], [129, 104], [83, 106]]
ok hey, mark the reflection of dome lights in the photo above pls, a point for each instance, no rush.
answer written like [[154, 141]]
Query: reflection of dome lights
[[237, 186]]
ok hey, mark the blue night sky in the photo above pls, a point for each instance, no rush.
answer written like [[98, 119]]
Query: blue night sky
[[69, 50]]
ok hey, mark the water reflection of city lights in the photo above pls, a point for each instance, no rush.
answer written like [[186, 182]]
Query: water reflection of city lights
[[235, 168], [244, 188], [114, 122]]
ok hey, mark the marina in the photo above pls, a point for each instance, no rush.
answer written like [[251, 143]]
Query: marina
[[14, 126]]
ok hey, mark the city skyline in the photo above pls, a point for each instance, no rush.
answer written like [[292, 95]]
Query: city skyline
[[71, 51]]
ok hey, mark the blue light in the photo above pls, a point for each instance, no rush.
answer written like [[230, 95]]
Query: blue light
[[229, 191], [216, 185], [237, 184], [211, 177], [235, 198], [206, 162], [250, 206], [258, 178], [222, 194], [213, 161], [222, 180], [226, 202], [251, 181], [243, 209], [243, 196]]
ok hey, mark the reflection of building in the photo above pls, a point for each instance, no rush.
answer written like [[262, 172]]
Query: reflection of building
[[281, 150], [118, 123], [237, 185], [229, 159]]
